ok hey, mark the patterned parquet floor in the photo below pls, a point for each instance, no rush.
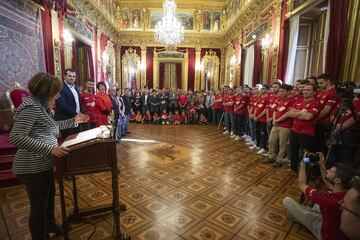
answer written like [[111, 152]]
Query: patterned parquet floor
[[187, 182]]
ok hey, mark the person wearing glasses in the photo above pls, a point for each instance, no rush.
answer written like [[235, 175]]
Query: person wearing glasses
[[323, 220], [350, 206]]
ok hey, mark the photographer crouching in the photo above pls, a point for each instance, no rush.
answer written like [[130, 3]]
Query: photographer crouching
[[322, 220]]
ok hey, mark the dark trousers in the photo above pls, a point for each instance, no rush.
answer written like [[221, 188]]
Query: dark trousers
[[173, 106], [298, 143], [40, 188], [209, 114], [217, 115], [344, 150], [261, 135], [322, 132], [239, 124]]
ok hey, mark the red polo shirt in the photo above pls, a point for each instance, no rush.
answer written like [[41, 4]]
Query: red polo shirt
[[88, 101], [330, 212], [306, 127], [348, 114], [328, 98], [218, 101], [227, 99], [183, 100], [238, 101], [261, 105], [283, 106], [273, 102]]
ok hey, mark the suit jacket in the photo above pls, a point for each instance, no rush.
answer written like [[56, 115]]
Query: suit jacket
[[127, 104], [115, 107], [65, 104], [143, 99]]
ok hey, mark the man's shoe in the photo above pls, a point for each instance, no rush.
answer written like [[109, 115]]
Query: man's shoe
[[237, 138], [268, 160], [250, 143], [55, 231], [266, 154], [276, 164], [128, 132], [233, 136], [226, 132], [244, 136]]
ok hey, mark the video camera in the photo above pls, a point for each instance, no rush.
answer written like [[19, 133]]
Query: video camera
[[347, 91]]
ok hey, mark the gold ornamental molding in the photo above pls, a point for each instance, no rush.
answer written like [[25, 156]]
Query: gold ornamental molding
[[92, 12], [200, 4], [131, 38]]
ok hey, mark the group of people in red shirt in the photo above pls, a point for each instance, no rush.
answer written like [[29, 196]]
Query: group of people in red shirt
[[281, 122]]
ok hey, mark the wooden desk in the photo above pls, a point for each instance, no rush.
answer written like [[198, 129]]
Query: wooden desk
[[91, 156]]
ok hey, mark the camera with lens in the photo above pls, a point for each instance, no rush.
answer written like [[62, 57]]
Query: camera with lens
[[347, 91], [312, 164]]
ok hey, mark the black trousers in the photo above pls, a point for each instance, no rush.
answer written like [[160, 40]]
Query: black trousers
[[239, 124], [209, 114], [40, 188], [261, 135], [217, 115], [322, 132], [298, 143]]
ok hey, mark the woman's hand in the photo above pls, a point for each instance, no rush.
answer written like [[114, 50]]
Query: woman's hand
[[81, 118], [60, 151]]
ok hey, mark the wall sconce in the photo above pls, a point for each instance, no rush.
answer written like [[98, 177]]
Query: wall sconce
[[68, 38], [266, 42]]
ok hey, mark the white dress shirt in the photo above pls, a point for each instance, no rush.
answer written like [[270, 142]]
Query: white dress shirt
[[76, 96]]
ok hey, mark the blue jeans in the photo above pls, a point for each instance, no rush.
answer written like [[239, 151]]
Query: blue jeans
[[229, 121], [253, 129], [126, 123], [118, 131]]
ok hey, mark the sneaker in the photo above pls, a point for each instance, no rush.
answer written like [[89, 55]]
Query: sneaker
[[231, 133], [266, 154], [256, 148], [225, 128], [268, 160], [233, 136], [261, 151], [244, 136], [237, 138], [250, 143], [226, 132], [249, 139], [276, 164]]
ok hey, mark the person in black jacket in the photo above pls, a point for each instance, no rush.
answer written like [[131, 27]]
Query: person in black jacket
[[35, 134], [68, 105], [127, 103]]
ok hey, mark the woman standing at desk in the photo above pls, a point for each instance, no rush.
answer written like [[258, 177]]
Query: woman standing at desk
[[35, 134]]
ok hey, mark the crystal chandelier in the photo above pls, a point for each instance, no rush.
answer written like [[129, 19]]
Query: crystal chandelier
[[169, 31]]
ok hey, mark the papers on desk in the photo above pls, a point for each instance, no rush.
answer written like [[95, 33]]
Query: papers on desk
[[99, 132]]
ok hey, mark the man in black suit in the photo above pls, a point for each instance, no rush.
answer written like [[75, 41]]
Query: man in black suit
[[115, 104], [68, 104], [127, 104], [145, 101]]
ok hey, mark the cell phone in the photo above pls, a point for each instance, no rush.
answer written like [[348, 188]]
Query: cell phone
[[306, 159]]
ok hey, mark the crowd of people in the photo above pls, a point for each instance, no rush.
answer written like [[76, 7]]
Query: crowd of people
[[286, 124]]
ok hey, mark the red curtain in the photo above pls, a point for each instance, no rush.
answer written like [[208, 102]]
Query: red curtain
[[336, 40], [90, 63], [191, 67], [236, 46], [149, 66], [161, 75], [96, 57], [283, 50], [47, 38], [257, 62], [74, 60], [178, 75]]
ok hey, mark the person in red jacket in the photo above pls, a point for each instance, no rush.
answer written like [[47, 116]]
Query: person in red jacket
[[281, 127], [183, 99], [103, 105], [87, 98], [323, 221], [217, 106], [302, 134], [239, 114], [177, 117], [328, 99]]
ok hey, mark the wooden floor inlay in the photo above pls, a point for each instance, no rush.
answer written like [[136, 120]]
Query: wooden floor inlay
[[178, 182]]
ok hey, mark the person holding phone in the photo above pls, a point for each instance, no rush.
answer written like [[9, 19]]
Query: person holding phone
[[35, 134], [323, 220]]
